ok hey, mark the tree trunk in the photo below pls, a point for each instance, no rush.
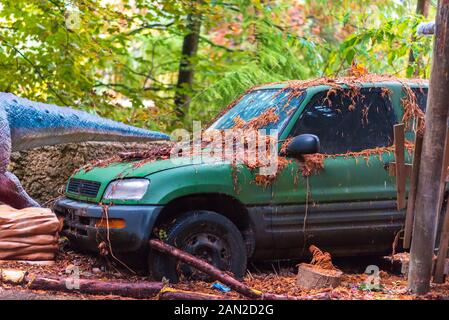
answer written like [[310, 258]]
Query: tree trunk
[[422, 8], [426, 205], [186, 66]]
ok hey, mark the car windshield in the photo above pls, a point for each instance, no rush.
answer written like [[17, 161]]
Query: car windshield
[[254, 104]]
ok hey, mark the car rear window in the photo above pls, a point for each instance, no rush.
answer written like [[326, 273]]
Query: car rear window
[[421, 97], [346, 122]]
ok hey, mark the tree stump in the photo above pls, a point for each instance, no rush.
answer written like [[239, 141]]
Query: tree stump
[[314, 277]]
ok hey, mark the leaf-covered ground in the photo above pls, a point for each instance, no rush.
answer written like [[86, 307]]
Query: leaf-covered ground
[[267, 277]]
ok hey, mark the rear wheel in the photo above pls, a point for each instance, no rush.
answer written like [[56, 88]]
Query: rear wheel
[[206, 235]]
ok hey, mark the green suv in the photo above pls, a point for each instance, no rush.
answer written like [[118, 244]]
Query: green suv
[[332, 188]]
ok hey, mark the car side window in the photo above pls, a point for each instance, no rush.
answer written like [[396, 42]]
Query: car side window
[[345, 121], [421, 97]]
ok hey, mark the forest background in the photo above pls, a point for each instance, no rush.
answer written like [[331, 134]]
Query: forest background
[[160, 64]]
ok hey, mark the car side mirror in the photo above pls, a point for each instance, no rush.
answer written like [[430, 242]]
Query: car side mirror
[[303, 144]]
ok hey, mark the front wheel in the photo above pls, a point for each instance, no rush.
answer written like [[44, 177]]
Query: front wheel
[[206, 235]]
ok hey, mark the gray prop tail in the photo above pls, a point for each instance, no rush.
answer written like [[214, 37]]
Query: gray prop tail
[[426, 28]]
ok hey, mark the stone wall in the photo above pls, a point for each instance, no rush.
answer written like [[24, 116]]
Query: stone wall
[[45, 171]]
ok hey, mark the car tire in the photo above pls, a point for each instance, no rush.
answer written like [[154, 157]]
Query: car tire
[[207, 235]]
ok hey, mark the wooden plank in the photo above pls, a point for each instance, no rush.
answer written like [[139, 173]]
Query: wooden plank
[[439, 275], [400, 164], [392, 169], [408, 228], [443, 173]]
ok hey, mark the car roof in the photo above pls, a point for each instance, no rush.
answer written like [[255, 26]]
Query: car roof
[[363, 82]]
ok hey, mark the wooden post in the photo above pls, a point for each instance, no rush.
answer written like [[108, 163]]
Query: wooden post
[[413, 185], [400, 165], [439, 276], [426, 205], [443, 173]]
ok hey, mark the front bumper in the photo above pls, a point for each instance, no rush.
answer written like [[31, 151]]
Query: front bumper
[[80, 218]]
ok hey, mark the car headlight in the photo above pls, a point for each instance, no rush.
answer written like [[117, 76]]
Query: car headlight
[[127, 189]]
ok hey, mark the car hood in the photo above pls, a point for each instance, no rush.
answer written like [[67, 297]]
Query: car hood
[[133, 169]]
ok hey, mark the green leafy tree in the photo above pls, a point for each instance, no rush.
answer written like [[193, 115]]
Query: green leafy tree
[[125, 59]]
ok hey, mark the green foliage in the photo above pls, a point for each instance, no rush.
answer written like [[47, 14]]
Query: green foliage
[[385, 49], [371, 288], [278, 58], [120, 59], [382, 46]]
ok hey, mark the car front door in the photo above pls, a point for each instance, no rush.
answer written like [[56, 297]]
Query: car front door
[[348, 206]]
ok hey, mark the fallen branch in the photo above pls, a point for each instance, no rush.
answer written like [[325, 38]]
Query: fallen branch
[[173, 294], [97, 287], [222, 276], [207, 268], [318, 296], [145, 289]]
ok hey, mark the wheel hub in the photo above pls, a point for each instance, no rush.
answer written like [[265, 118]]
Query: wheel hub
[[208, 247]]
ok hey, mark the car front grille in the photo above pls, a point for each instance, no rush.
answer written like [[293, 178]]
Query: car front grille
[[84, 187], [74, 223]]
